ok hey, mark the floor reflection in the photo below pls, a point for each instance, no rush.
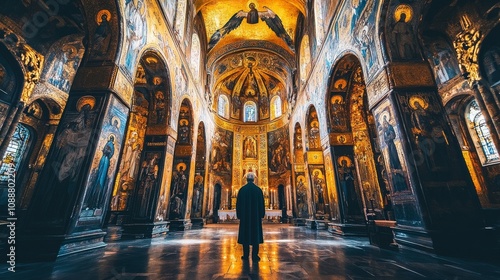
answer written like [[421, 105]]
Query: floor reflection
[[288, 253]]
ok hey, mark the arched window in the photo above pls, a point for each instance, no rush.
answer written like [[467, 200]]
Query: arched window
[[15, 152], [223, 106], [250, 112], [305, 58], [276, 107], [481, 133], [195, 56]]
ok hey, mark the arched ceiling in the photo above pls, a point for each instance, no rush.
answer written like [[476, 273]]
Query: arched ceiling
[[223, 27], [256, 76]]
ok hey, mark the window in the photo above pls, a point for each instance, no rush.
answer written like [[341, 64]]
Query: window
[[250, 112], [223, 106], [195, 56], [276, 107], [305, 58], [482, 133], [15, 152]]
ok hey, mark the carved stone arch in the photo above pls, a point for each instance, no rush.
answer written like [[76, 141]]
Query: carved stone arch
[[457, 110]]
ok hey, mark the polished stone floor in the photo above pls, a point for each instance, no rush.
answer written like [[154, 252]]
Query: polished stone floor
[[289, 252]]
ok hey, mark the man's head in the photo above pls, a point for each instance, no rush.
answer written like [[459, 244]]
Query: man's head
[[250, 176]]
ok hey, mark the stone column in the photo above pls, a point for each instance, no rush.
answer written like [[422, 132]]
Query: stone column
[[491, 112], [71, 196], [435, 203]]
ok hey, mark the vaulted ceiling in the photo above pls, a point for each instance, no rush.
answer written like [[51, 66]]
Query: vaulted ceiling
[[251, 48]]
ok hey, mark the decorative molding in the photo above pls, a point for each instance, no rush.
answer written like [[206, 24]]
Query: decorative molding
[[466, 46], [250, 45], [404, 75]]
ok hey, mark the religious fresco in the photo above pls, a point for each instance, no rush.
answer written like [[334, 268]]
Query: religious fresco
[[104, 164], [279, 158], [392, 147], [179, 189], [349, 188], [441, 57], [319, 191], [61, 177], [61, 66], [298, 149], [301, 201], [365, 31], [199, 179], [178, 197], [103, 34], [406, 209], [221, 155], [180, 19], [185, 125], [169, 9], [252, 17], [136, 33], [128, 172], [313, 135], [149, 179], [251, 77], [198, 194], [423, 115], [250, 147], [400, 33]]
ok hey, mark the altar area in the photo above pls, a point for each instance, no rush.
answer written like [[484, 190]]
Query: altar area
[[229, 216]]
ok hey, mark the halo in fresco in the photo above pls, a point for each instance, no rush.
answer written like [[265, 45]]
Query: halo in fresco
[[178, 167], [403, 8], [340, 84], [85, 100], [98, 17], [117, 120], [347, 159], [335, 98], [301, 177], [385, 113], [419, 100]]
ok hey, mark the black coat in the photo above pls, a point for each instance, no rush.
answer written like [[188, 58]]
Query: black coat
[[250, 210]]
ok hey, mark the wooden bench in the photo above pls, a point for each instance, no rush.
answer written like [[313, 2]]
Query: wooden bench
[[380, 233]]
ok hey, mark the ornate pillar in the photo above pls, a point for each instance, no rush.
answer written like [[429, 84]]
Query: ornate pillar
[[70, 199], [31, 63], [491, 112], [435, 202]]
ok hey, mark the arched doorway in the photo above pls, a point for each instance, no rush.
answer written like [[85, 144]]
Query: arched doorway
[[352, 129], [136, 193]]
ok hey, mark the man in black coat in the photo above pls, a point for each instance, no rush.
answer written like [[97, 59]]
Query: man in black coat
[[250, 210]]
